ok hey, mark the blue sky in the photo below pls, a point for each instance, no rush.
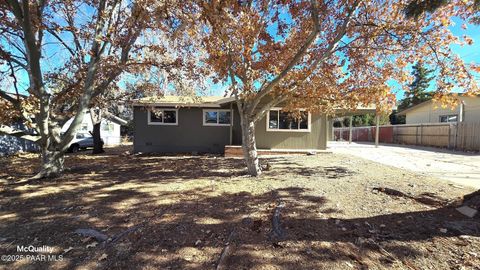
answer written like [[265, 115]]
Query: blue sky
[[470, 54]]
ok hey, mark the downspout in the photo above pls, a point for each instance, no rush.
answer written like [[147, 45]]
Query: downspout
[[459, 120], [377, 129], [462, 112], [231, 123]]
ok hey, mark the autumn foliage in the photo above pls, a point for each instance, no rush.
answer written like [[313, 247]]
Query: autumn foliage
[[324, 55], [67, 56], [312, 54]]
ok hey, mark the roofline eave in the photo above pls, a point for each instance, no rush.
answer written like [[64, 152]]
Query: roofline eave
[[176, 105]]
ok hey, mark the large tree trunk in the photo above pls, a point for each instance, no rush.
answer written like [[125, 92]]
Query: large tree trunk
[[52, 164], [249, 146], [97, 139], [96, 116]]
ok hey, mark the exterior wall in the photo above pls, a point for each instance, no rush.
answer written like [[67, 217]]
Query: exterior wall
[[315, 139], [236, 128], [471, 110], [110, 132], [429, 114], [191, 136], [188, 136], [11, 144], [420, 115]]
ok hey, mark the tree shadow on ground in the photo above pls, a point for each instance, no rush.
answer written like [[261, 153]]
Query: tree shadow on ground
[[188, 228]]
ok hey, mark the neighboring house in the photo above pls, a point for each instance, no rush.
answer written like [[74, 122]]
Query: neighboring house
[[173, 124], [468, 111], [11, 144], [109, 129]]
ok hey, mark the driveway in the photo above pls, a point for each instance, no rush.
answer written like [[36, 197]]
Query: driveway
[[458, 167]]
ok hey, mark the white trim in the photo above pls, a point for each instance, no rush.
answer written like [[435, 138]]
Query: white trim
[[217, 124], [205, 104], [309, 122], [176, 105], [150, 123]]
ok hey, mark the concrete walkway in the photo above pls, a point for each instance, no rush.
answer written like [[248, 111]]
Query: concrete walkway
[[458, 167]]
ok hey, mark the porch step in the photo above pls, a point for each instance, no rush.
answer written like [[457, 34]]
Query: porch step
[[236, 151]]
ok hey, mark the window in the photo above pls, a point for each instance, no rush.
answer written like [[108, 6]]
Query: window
[[82, 136], [278, 120], [163, 117], [216, 117], [107, 126], [448, 118]]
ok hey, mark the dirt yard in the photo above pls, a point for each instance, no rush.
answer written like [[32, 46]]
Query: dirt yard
[[185, 212]]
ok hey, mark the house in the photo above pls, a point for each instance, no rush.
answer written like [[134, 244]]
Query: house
[[467, 111], [109, 128], [173, 124], [11, 144]]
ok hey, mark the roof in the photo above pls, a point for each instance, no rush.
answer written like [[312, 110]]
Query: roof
[[212, 102], [184, 101], [459, 95]]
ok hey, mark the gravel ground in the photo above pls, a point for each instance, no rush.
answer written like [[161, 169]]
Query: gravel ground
[[180, 212]]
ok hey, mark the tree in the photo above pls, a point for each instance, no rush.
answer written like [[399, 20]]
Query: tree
[[417, 92], [397, 119], [416, 8], [367, 119], [108, 107], [67, 53], [321, 55], [96, 116]]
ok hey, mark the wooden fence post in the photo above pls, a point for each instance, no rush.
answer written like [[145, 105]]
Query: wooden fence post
[[456, 137], [377, 130], [421, 134], [449, 136], [416, 135], [350, 130]]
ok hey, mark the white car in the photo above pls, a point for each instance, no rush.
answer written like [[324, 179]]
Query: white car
[[81, 141]]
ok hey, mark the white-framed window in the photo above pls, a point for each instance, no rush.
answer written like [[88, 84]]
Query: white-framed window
[[278, 120], [163, 117], [107, 126], [216, 117], [448, 118]]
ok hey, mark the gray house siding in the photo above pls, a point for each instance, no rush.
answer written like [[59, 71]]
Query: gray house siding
[[188, 136], [315, 139], [236, 128]]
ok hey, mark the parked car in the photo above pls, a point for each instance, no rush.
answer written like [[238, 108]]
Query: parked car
[[81, 141]]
